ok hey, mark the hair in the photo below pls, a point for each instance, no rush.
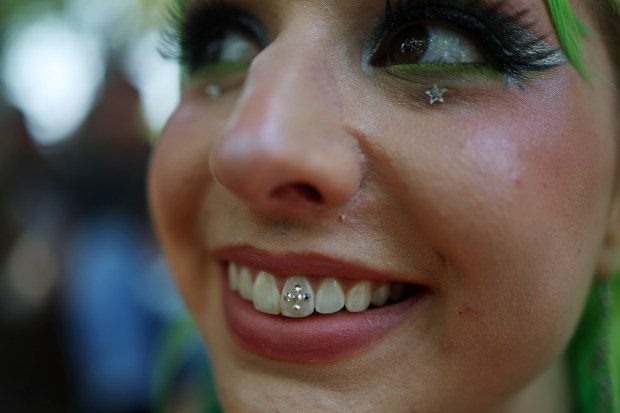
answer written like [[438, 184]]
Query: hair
[[594, 353], [571, 31]]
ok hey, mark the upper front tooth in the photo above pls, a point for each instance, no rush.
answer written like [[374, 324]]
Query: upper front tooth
[[246, 285], [233, 277], [358, 297], [265, 294], [329, 297], [297, 298]]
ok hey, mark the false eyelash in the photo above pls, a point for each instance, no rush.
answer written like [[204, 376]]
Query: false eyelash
[[191, 24], [176, 18], [514, 50], [188, 23]]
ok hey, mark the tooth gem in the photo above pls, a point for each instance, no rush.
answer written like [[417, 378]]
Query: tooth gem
[[297, 296]]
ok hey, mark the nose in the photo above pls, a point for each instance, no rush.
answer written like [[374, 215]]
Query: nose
[[285, 147]]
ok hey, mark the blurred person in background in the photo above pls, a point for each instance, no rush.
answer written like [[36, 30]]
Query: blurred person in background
[[33, 374]]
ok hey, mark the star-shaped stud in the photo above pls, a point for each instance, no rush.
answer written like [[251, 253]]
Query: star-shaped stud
[[214, 91], [436, 94]]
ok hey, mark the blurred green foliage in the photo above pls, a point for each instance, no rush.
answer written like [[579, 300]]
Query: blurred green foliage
[[9, 7]]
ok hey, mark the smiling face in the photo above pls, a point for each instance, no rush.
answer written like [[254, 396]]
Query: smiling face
[[330, 175]]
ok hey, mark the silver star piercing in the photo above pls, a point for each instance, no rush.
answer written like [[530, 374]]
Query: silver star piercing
[[436, 94], [214, 91]]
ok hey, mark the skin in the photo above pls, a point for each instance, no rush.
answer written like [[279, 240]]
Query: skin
[[501, 202]]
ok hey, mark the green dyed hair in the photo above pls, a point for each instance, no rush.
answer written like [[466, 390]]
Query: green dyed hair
[[594, 353], [571, 30]]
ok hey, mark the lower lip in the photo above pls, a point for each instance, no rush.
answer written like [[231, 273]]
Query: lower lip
[[319, 338]]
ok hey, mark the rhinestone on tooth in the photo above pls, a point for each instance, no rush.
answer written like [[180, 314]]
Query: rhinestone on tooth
[[297, 296]]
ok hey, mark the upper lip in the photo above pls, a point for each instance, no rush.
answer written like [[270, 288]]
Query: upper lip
[[290, 263]]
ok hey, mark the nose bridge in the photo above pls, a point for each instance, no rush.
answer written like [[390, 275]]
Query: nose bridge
[[285, 145], [298, 78]]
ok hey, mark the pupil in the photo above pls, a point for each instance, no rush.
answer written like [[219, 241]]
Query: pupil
[[410, 45], [213, 50]]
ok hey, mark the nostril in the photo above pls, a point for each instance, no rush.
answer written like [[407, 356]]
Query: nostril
[[297, 192]]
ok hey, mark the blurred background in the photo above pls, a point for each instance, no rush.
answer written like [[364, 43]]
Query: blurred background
[[89, 319]]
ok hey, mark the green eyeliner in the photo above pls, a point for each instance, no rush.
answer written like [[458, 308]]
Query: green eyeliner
[[221, 71]]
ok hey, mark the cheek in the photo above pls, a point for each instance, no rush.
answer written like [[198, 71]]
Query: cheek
[[545, 187], [514, 199], [540, 175], [178, 176]]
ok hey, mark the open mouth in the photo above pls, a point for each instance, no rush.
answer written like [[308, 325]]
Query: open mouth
[[301, 295], [295, 308]]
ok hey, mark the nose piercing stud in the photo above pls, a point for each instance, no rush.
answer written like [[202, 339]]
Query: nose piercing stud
[[214, 91], [436, 94]]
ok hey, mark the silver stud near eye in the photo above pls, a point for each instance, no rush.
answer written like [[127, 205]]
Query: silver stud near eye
[[436, 94], [214, 91]]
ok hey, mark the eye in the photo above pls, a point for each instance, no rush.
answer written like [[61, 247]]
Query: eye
[[453, 37], [212, 39], [227, 46], [421, 43]]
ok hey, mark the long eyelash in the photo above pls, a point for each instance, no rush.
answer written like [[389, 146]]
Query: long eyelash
[[389, 13], [507, 36], [179, 19]]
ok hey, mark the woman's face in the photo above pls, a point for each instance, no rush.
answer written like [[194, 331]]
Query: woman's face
[[325, 159]]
